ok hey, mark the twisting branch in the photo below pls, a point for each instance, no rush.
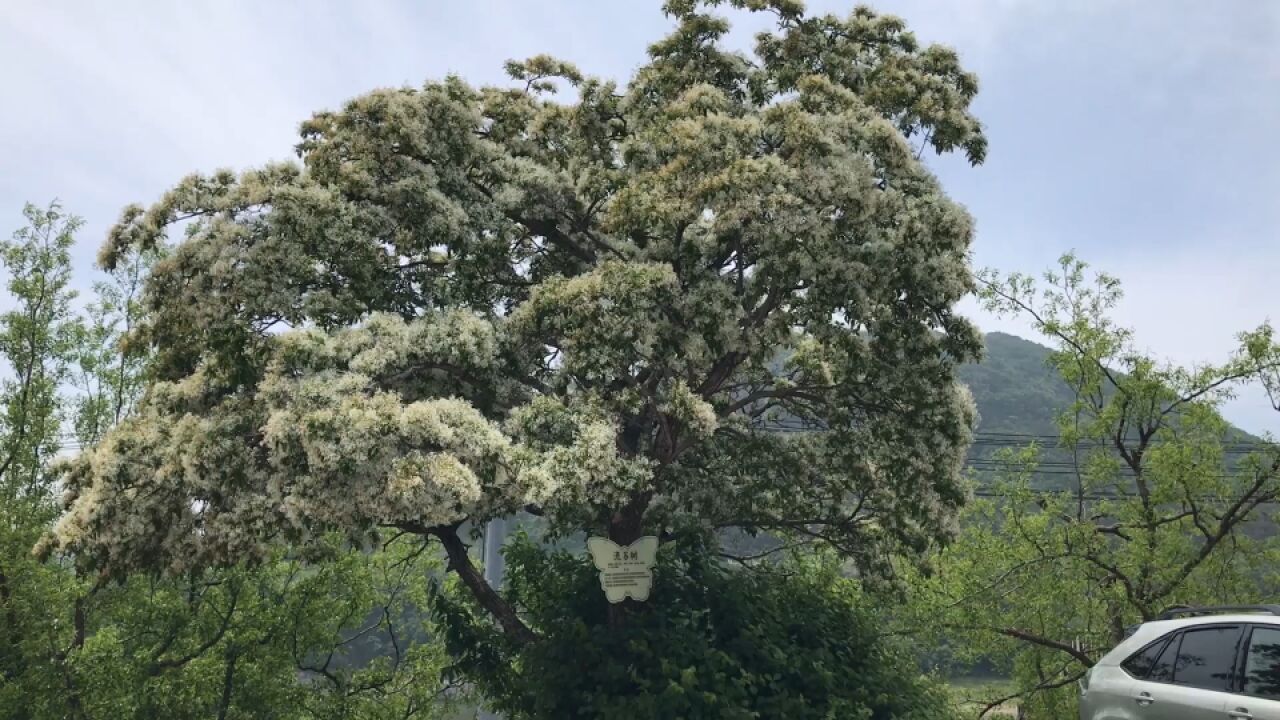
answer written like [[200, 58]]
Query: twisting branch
[[1048, 328], [747, 560], [811, 393], [1210, 387], [489, 599], [720, 372], [159, 665], [1237, 513]]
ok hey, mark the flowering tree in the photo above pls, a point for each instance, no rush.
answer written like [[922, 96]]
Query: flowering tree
[[466, 302]]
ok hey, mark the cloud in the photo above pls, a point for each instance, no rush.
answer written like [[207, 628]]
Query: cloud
[[1186, 308], [1138, 133]]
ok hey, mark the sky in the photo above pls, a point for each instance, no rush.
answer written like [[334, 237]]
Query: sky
[[1144, 135]]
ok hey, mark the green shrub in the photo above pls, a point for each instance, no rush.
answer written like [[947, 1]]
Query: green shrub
[[794, 640]]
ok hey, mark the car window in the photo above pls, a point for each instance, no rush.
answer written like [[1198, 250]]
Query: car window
[[1205, 658], [1141, 662], [1262, 665], [1162, 668]]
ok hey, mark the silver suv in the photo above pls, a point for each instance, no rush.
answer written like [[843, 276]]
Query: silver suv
[[1210, 663]]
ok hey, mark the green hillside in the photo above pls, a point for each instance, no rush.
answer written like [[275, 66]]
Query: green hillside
[[1015, 389], [1018, 392]]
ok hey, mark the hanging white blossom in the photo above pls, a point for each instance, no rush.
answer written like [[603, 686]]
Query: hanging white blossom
[[468, 301]]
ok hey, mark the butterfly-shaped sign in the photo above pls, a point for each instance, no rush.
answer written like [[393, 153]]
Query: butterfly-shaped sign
[[625, 570]]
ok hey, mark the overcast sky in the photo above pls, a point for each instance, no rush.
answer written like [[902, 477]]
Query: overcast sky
[[1143, 134]]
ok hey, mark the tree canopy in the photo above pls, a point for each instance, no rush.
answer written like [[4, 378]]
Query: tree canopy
[[468, 301]]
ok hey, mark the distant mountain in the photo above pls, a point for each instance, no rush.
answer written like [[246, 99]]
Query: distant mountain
[[1019, 394], [1015, 388]]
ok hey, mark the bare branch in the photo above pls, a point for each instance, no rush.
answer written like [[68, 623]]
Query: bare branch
[[159, 665], [1043, 685]]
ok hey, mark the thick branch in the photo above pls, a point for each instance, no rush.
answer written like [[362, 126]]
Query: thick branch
[[228, 685], [1235, 515], [489, 599], [549, 230], [720, 372], [1116, 529], [1138, 600], [1045, 642]]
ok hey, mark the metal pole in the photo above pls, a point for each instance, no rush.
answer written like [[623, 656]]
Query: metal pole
[[495, 534]]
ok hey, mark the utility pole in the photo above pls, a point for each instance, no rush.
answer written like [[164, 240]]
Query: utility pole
[[495, 534]]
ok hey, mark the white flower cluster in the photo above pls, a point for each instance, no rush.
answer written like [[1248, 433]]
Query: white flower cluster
[[697, 416], [507, 301], [569, 459], [317, 445], [345, 455]]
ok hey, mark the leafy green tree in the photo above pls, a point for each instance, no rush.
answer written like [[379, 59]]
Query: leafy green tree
[[37, 344], [108, 372], [1154, 501], [37, 340], [342, 638], [219, 643], [468, 301]]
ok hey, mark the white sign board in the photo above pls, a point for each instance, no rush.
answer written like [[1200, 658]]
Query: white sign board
[[625, 571]]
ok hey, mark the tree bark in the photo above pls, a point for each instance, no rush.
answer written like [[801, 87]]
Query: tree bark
[[489, 599], [228, 685], [625, 527], [79, 624]]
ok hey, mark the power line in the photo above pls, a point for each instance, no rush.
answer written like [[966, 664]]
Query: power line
[[1014, 439]]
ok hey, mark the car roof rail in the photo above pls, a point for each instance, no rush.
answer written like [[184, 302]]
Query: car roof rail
[[1177, 610]]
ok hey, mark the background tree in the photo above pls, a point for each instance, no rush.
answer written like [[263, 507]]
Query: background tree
[[338, 638], [1152, 500], [108, 373], [217, 643], [36, 342]]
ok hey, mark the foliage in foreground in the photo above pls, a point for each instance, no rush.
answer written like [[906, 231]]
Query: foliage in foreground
[[794, 640], [336, 639]]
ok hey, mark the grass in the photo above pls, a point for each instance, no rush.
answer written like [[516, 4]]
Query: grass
[[971, 693]]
